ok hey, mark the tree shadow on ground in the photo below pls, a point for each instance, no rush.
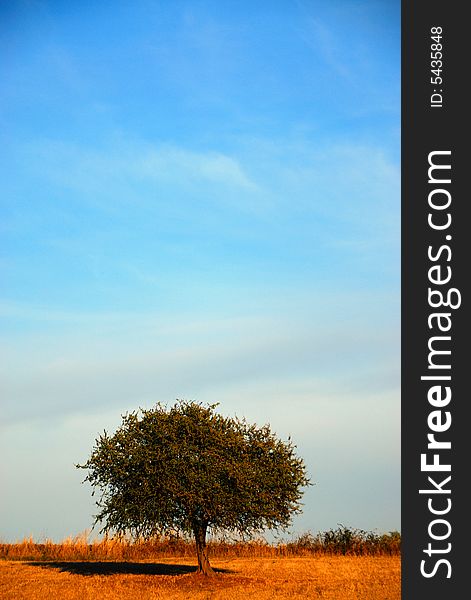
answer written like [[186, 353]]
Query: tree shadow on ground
[[119, 568]]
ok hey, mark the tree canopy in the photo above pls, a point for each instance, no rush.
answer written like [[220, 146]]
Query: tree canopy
[[189, 469]]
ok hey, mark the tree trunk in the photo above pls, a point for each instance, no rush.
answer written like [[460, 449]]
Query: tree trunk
[[204, 567]]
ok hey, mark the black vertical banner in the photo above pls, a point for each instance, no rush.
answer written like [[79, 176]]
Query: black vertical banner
[[435, 293]]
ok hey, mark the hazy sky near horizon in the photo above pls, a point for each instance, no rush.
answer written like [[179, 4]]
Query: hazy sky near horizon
[[200, 200]]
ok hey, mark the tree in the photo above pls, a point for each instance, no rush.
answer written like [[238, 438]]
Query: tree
[[190, 470]]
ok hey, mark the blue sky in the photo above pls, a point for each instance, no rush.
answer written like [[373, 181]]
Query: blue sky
[[200, 200]]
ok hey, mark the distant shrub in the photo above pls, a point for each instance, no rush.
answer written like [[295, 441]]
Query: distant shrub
[[347, 541]]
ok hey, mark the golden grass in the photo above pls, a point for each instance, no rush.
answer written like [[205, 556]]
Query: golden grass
[[263, 578], [108, 548]]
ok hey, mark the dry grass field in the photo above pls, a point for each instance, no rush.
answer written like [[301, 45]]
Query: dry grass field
[[341, 564], [326, 577]]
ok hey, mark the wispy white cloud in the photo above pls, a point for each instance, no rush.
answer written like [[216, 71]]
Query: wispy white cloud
[[340, 179], [72, 165], [177, 163]]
